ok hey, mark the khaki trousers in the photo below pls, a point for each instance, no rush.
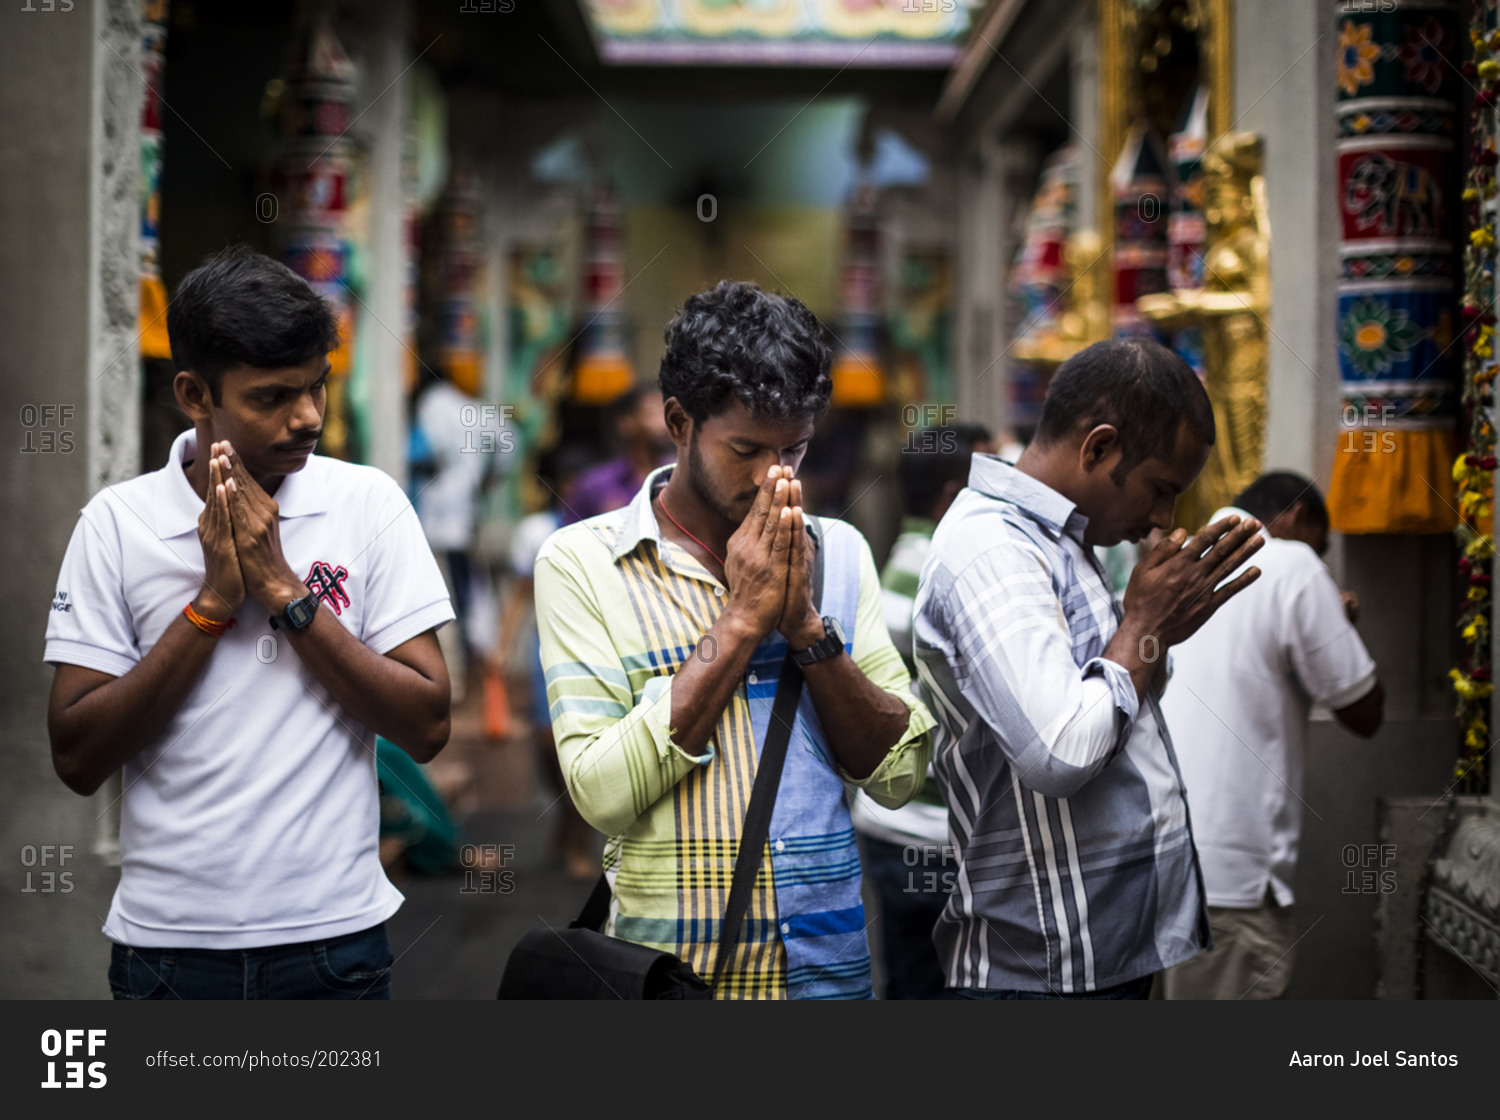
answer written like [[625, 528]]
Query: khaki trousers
[[1252, 956]]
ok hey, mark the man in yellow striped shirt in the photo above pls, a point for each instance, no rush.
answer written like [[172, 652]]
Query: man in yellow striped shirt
[[664, 627]]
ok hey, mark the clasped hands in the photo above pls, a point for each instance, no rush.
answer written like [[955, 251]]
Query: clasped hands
[[769, 565], [240, 532]]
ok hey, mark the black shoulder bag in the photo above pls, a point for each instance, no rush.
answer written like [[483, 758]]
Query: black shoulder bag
[[582, 963]]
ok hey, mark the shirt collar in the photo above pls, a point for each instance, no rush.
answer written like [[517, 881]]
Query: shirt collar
[[639, 522], [994, 477], [300, 493]]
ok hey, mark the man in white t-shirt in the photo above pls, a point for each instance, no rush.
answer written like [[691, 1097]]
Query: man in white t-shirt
[[1238, 705], [234, 630]]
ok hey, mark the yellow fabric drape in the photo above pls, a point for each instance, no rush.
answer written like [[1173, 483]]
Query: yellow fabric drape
[[153, 319], [1393, 481]]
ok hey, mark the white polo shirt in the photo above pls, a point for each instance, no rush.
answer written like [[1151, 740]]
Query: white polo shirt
[[253, 818], [1237, 706]]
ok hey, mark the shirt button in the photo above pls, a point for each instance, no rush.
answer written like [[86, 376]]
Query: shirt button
[[719, 591], [781, 845], [754, 679], [785, 928]]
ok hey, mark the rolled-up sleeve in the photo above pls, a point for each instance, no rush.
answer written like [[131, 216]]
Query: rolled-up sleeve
[[1006, 638], [617, 755], [901, 773]]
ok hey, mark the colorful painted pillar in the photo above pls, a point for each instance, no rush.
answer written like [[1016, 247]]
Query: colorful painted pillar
[[315, 178], [858, 381], [1397, 82], [153, 314], [604, 370], [1037, 286], [1187, 228], [1140, 185], [458, 259]]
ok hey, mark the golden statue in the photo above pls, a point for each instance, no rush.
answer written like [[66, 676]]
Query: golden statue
[[1230, 310]]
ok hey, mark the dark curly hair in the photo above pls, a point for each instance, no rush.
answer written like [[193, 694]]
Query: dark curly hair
[[242, 308], [765, 350]]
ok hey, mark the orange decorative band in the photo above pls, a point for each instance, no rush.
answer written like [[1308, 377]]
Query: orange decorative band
[[207, 625]]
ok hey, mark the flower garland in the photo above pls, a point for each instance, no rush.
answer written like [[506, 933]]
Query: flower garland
[[1474, 471]]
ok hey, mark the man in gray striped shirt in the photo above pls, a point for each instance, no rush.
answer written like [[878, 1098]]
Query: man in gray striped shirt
[[1078, 877]]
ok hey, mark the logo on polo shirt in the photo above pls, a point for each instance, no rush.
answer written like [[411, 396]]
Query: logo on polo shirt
[[60, 602], [327, 583]]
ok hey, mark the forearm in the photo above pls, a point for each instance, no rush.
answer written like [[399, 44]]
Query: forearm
[[703, 686], [392, 699], [94, 734], [861, 720], [1142, 654]]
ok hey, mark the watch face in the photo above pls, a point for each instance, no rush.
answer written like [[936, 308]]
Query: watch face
[[301, 612]]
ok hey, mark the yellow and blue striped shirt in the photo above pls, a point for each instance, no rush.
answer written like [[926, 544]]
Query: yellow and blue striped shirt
[[619, 610]]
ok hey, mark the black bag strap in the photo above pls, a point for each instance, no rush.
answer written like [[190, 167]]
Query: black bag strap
[[595, 910], [762, 797]]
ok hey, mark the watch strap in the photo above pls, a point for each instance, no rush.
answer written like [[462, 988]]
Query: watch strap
[[287, 620]]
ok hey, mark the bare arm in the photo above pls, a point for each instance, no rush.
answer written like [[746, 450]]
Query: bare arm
[[98, 722], [1365, 715], [862, 720], [403, 695], [755, 570]]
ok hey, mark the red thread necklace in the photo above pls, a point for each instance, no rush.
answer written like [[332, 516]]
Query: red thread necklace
[[661, 497]]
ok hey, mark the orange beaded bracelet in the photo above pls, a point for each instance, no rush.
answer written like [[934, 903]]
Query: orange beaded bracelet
[[207, 625]]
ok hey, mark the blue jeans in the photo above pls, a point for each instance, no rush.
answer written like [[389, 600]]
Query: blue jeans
[[1132, 989], [354, 966]]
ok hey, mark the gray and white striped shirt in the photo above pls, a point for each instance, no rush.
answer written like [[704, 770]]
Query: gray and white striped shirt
[[1077, 867]]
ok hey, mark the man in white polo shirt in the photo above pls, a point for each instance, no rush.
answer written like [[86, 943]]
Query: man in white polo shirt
[[1242, 688], [234, 630]]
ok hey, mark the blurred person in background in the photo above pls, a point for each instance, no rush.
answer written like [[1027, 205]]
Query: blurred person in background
[[641, 429], [457, 442], [908, 860], [1242, 689], [573, 840]]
